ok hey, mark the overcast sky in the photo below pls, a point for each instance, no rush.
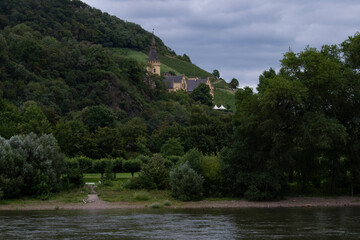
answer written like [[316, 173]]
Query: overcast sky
[[240, 38]]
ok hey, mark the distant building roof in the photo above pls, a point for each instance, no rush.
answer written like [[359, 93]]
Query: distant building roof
[[194, 83], [153, 57], [170, 80]]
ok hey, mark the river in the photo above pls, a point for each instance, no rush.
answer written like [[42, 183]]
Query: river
[[276, 223]]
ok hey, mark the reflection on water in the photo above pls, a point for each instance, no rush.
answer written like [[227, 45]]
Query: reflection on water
[[279, 223]]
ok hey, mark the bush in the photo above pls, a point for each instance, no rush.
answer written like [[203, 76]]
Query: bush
[[155, 205], [154, 174], [134, 183], [141, 196], [186, 184]]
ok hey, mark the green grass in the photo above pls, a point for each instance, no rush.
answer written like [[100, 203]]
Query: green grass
[[224, 97], [167, 63], [189, 69], [221, 84], [70, 196], [96, 177]]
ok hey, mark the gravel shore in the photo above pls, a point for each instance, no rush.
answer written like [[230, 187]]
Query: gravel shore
[[93, 202]]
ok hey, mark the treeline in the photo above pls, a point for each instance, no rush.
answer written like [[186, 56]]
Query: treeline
[[300, 132]]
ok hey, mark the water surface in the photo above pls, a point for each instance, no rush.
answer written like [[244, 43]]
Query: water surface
[[277, 223]]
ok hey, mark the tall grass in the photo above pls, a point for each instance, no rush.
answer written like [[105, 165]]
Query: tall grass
[[224, 97]]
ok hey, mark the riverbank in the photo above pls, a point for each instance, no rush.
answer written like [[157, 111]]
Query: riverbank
[[93, 202]]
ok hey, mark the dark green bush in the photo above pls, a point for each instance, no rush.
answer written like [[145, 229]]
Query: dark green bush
[[186, 184]]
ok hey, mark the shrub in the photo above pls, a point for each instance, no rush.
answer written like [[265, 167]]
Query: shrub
[[133, 183], [154, 174], [167, 203], [155, 205], [141, 196], [186, 184]]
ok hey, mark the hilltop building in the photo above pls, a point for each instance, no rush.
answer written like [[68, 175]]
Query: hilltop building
[[153, 63], [174, 83]]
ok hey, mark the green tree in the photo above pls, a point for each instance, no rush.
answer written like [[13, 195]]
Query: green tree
[[100, 166], [172, 147], [202, 94], [70, 136], [154, 174], [132, 165], [117, 166], [186, 184], [234, 83], [216, 73], [30, 165], [9, 119], [34, 119], [194, 160], [98, 116]]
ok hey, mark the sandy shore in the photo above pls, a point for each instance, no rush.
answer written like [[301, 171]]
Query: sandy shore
[[93, 202]]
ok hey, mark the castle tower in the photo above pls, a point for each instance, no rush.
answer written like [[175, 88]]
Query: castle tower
[[153, 63]]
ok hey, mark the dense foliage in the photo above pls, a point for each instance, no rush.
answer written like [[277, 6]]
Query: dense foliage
[[30, 165], [300, 129], [59, 80], [73, 19]]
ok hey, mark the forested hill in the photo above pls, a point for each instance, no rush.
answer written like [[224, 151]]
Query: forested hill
[[57, 54], [75, 19]]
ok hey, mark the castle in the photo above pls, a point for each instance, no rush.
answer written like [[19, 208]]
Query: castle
[[174, 83]]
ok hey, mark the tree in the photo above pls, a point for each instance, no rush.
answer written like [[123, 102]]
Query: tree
[[132, 165], [202, 94], [186, 184], [30, 165], [100, 165], [9, 119], [194, 160], [216, 73], [234, 83], [154, 174], [70, 136], [97, 116], [34, 119], [117, 166], [172, 147]]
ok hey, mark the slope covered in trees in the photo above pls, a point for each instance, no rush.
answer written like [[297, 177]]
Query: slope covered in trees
[[76, 20]]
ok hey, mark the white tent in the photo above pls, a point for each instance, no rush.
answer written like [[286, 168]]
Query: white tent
[[222, 107], [216, 107]]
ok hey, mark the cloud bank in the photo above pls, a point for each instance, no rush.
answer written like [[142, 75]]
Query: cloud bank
[[240, 38]]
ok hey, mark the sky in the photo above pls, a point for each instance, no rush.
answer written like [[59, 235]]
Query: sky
[[240, 38]]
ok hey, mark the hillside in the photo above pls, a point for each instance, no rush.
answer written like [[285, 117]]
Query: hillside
[[73, 19], [62, 71]]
